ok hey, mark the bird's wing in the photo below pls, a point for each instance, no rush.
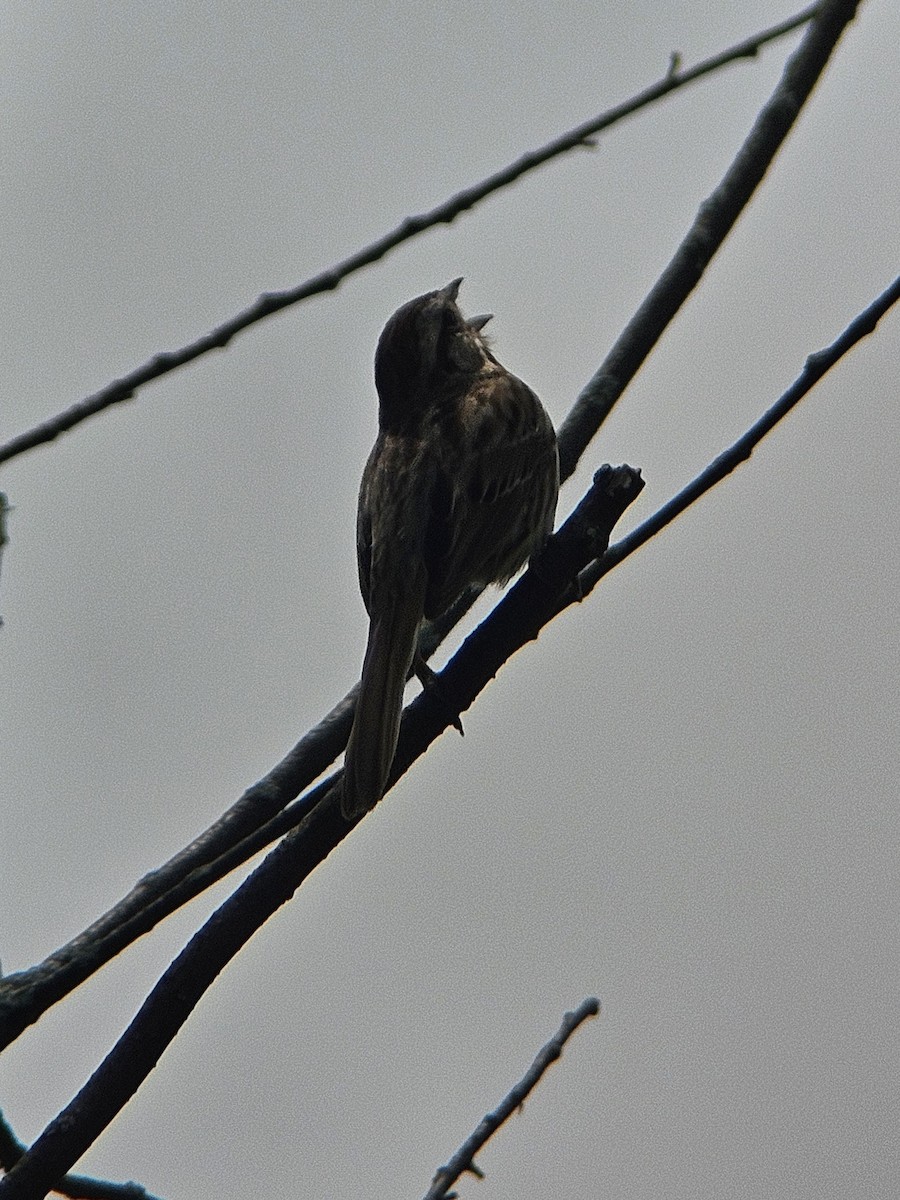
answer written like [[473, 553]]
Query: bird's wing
[[493, 506]]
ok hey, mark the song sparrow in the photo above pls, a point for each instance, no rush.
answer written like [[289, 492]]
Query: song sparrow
[[460, 488]]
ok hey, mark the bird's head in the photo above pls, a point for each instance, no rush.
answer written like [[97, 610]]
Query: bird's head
[[427, 351]]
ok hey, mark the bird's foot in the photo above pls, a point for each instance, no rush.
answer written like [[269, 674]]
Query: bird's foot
[[432, 685]]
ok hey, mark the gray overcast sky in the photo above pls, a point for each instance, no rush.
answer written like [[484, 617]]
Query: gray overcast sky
[[683, 798]]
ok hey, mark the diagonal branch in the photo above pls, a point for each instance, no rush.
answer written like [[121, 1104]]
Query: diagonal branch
[[272, 302], [464, 1158], [714, 221], [77, 1187], [816, 366]]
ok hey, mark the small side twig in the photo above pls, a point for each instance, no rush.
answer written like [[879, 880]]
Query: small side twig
[[464, 1158]]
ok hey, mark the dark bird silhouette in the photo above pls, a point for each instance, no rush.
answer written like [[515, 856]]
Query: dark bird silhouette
[[460, 488]]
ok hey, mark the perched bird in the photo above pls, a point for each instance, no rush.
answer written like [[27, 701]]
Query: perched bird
[[460, 488]]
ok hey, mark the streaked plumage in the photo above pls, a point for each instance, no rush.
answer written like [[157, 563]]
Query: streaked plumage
[[460, 488]]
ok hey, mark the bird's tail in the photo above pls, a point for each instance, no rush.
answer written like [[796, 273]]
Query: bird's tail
[[393, 630]]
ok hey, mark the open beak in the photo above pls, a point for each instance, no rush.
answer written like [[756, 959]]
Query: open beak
[[480, 321], [451, 291]]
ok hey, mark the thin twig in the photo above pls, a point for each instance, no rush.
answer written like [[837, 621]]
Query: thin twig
[[272, 302], [464, 1158], [816, 366]]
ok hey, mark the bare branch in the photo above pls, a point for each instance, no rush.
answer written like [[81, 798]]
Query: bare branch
[[816, 366], [78, 1187], [714, 221], [464, 1158], [242, 831], [272, 302]]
